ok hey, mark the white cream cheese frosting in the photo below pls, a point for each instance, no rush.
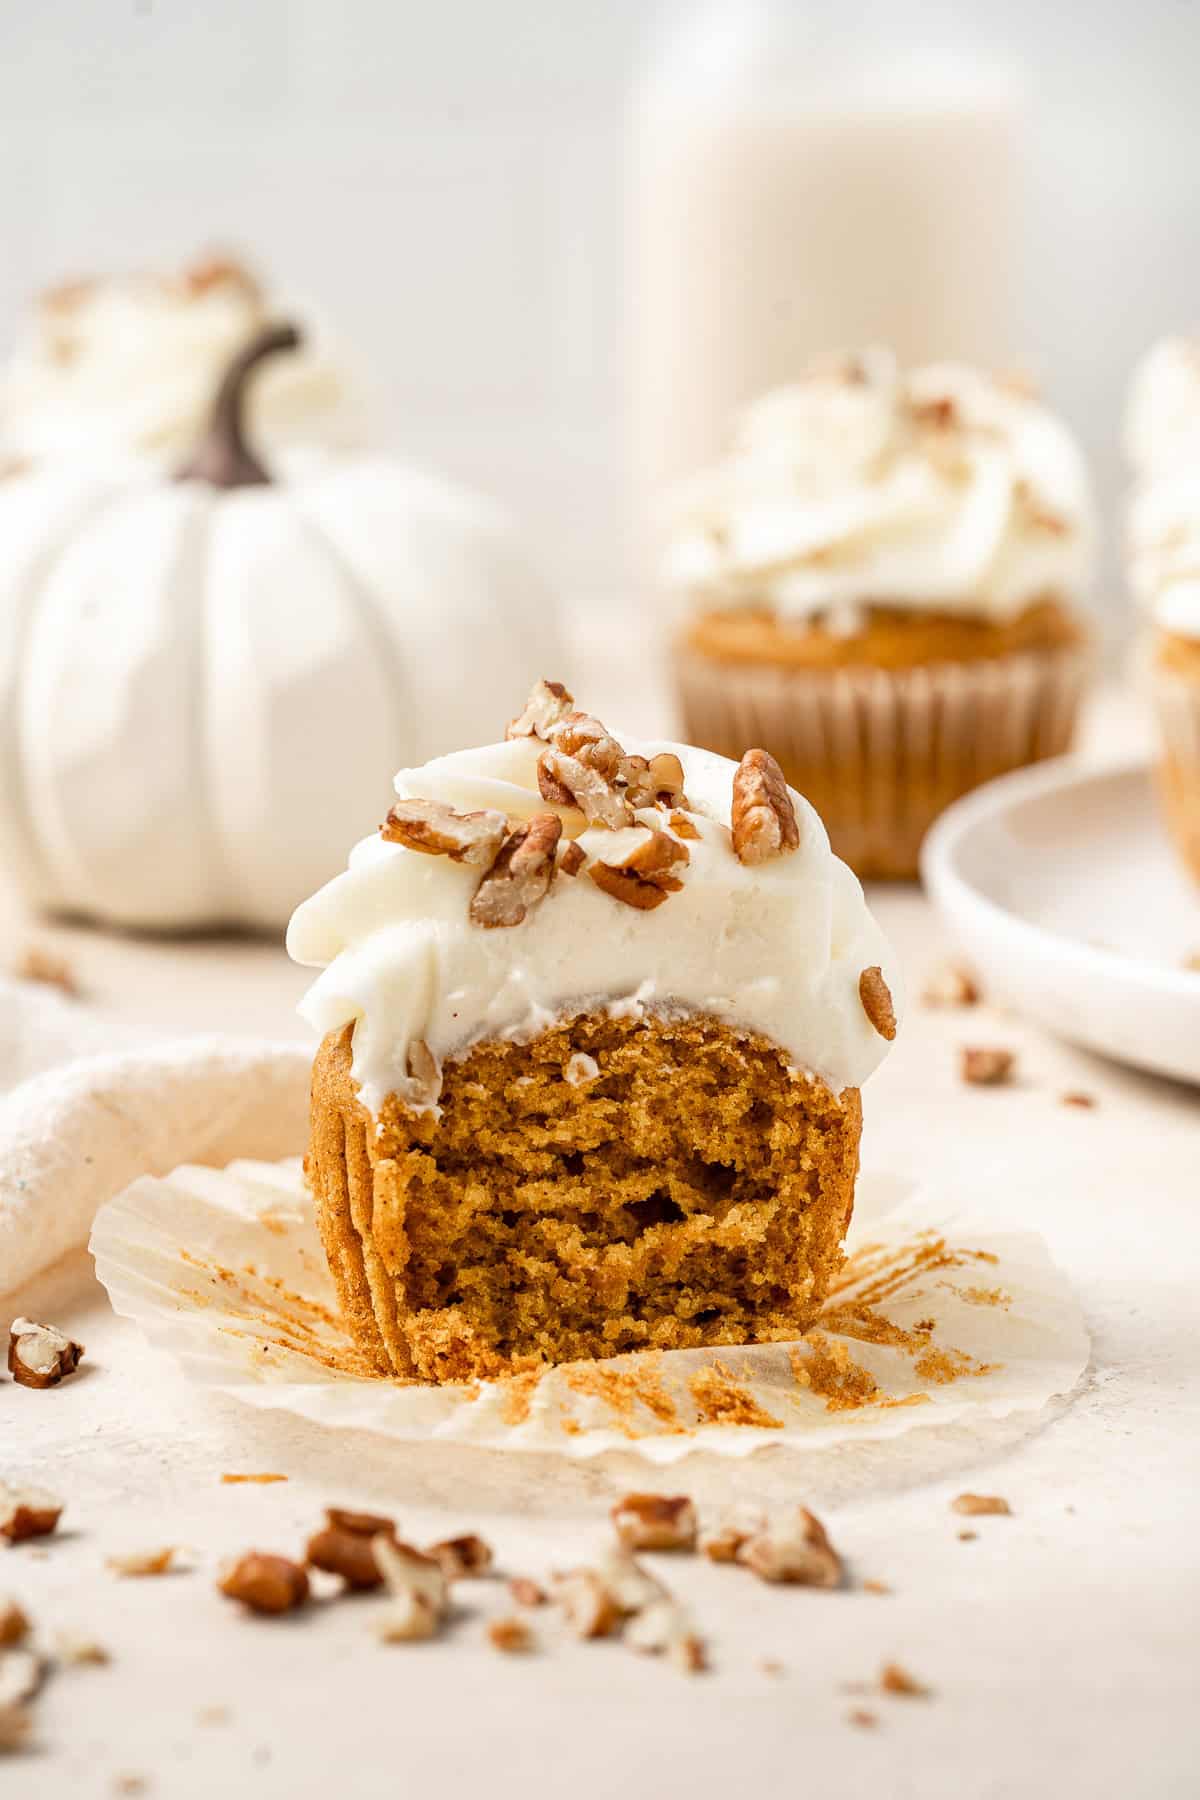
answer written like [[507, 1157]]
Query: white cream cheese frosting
[[776, 948], [131, 364], [1162, 437], [943, 489]]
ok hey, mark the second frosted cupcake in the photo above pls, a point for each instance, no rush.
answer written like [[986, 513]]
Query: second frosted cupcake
[[884, 585]]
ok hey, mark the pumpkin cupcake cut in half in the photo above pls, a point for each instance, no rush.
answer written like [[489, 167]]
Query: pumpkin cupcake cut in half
[[595, 1015]]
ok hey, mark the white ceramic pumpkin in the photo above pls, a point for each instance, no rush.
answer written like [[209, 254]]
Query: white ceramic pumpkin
[[207, 682]]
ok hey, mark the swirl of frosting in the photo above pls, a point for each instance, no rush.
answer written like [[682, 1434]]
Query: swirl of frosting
[[1162, 530], [942, 490], [131, 364], [776, 948]]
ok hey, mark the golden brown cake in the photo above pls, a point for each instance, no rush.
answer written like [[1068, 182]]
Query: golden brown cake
[[595, 1021], [882, 587]]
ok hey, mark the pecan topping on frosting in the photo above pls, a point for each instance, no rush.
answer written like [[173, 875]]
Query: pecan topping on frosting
[[763, 817], [521, 874], [548, 702], [438, 830], [643, 876], [656, 782], [40, 1356], [583, 766], [876, 998]]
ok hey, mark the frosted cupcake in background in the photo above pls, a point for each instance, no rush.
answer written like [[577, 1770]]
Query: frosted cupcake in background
[[1163, 552], [129, 363], [885, 586]]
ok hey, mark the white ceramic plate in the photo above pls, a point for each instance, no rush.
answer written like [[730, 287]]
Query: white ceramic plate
[[1062, 887]]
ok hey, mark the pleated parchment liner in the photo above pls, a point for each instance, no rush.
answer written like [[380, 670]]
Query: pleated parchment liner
[[931, 1322]]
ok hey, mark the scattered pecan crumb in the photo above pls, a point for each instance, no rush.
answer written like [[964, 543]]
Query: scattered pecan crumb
[[22, 1673], [520, 876], [588, 1605], [527, 1592], [345, 1553], [27, 1513], [14, 1625], [1076, 1098], [511, 1635], [663, 1628], [682, 826], [37, 963], [548, 703], [763, 817], [800, 1552], [974, 1504], [213, 1715], [876, 1587], [655, 1522], [863, 1717], [264, 1479], [265, 1583], [645, 874], [462, 1557], [967, 1537], [894, 1679], [987, 1067], [129, 1784], [418, 1588], [656, 782], [40, 1356], [724, 1545], [771, 1666], [571, 858], [876, 999], [143, 1562], [77, 1650], [363, 1524], [437, 830], [951, 985]]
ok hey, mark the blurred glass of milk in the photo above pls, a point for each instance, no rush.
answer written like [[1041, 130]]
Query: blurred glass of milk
[[800, 185]]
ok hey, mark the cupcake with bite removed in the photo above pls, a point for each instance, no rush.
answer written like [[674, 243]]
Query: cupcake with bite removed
[[884, 584], [1163, 544], [595, 1015]]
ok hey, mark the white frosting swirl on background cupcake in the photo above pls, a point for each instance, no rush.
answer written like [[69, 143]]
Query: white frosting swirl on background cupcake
[[941, 490], [1162, 436], [131, 364], [777, 948]]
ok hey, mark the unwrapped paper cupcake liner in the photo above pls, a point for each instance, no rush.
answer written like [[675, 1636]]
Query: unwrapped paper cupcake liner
[[1176, 699], [881, 752], [931, 1322]]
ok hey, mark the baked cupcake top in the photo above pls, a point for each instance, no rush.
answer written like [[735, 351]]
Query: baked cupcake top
[[131, 363], [1162, 436], [563, 871], [943, 490]]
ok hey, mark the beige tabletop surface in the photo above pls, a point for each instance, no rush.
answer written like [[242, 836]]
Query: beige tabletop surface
[[1061, 1645]]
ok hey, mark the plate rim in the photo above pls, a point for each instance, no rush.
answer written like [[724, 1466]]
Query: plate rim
[[953, 893]]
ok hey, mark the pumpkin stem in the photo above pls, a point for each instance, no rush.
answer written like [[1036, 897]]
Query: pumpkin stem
[[222, 456]]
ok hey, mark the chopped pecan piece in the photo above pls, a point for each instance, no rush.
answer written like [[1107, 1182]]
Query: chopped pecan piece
[[79, 1650], [895, 1679], [664, 1626], [345, 1553], [265, 1583], [763, 816], [462, 1557], [724, 1545], [645, 874], [14, 1625], [658, 782], [511, 1635], [50, 970], [143, 1562], [682, 826], [1079, 1099], [571, 858], [438, 830], [951, 985], [589, 1607], [876, 997], [973, 1505], [40, 1356], [655, 1522], [527, 1592], [418, 1589], [363, 1524], [799, 1552], [548, 703], [987, 1067], [585, 767], [27, 1512], [521, 875]]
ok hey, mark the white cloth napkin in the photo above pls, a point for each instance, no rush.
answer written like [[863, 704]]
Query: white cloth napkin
[[86, 1107]]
